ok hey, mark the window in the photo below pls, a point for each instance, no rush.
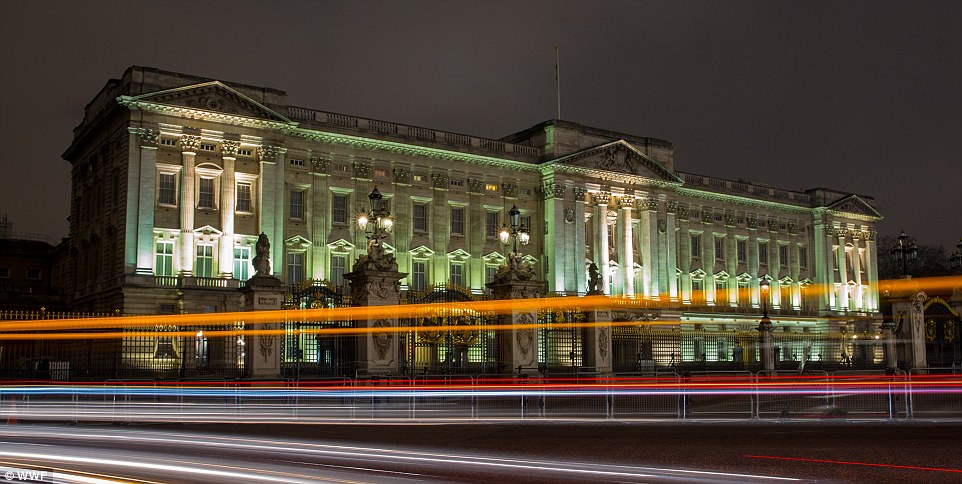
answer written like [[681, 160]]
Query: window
[[164, 265], [489, 272], [743, 296], [297, 204], [295, 268], [166, 189], [783, 255], [491, 224], [242, 263], [380, 173], [696, 246], [33, 274], [245, 151], [457, 274], [419, 178], [719, 248], [418, 272], [526, 221], [526, 191], [297, 162], [457, 183], [4, 273], [697, 291], [204, 263], [168, 142], [339, 209], [491, 187], [206, 193], [803, 257], [741, 248], [420, 217], [763, 252], [338, 263], [457, 221], [721, 292], [208, 147], [244, 197]]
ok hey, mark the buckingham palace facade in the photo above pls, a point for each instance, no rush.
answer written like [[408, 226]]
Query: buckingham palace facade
[[175, 176]]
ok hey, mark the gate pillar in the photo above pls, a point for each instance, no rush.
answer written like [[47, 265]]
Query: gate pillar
[[377, 351], [517, 346], [596, 352], [262, 352]]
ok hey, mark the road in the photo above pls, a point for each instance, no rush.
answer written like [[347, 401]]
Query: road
[[539, 451]]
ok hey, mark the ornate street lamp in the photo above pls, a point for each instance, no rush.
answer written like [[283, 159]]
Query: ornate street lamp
[[904, 250], [377, 223], [516, 231]]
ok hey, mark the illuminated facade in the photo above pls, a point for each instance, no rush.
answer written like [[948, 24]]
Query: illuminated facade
[[174, 177]]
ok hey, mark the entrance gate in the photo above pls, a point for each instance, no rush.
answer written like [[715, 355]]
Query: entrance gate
[[446, 338], [560, 344], [311, 348], [943, 334]]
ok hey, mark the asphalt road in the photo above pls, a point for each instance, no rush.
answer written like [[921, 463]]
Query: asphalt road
[[517, 452]]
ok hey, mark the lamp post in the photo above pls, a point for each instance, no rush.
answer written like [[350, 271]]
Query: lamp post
[[765, 338], [516, 231], [376, 223], [956, 259], [903, 251]]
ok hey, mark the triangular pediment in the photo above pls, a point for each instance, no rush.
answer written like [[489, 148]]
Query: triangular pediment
[[854, 204], [619, 157], [213, 96]]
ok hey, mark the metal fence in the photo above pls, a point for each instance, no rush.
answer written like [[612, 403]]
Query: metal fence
[[932, 394]]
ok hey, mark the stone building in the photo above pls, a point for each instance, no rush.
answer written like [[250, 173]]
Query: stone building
[[174, 177]]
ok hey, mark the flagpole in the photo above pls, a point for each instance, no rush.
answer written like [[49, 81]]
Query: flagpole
[[557, 78]]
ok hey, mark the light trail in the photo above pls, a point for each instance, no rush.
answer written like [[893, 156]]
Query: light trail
[[498, 307], [850, 463], [309, 453]]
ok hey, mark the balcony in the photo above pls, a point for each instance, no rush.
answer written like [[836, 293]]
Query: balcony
[[148, 280]]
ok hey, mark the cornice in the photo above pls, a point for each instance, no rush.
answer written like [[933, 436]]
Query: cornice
[[212, 116], [406, 149], [605, 175], [752, 202]]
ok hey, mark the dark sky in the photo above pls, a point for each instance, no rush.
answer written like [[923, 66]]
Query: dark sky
[[860, 96]]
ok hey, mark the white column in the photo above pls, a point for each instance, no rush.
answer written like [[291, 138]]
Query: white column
[[141, 186], [188, 146], [555, 237], [625, 250], [268, 200], [871, 264], [842, 272], [580, 277], [649, 228], [671, 252], [228, 187], [601, 237]]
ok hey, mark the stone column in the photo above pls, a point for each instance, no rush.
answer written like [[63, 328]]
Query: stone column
[[626, 256], [228, 187], [144, 179], [888, 340], [649, 229], [600, 225], [909, 314], [517, 346], [554, 242], [579, 277], [672, 258], [262, 352], [843, 294], [188, 146], [375, 281], [871, 272]]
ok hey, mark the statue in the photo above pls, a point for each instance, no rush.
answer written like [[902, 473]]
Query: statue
[[377, 259], [262, 259], [594, 279], [515, 270]]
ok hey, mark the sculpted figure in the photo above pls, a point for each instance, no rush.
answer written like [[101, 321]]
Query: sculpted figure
[[262, 259], [594, 279]]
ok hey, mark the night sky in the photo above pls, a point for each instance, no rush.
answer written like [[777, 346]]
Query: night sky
[[864, 97]]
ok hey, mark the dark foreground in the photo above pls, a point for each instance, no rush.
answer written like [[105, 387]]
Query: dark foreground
[[831, 451]]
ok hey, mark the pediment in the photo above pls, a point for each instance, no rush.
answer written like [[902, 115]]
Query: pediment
[[297, 242], [854, 204], [212, 96], [619, 157]]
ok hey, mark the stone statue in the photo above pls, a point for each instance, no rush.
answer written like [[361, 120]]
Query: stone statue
[[377, 259], [262, 259], [594, 279], [515, 270]]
